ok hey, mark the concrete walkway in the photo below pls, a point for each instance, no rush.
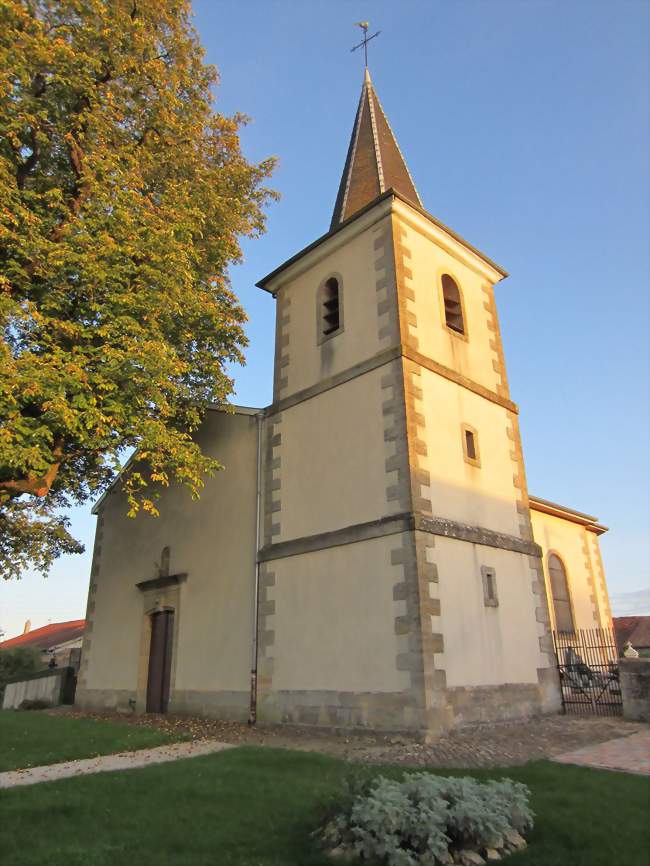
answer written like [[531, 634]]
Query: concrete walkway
[[625, 754], [108, 763]]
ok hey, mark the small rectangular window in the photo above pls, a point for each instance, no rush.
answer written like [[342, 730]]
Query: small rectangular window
[[470, 445], [490, 597]]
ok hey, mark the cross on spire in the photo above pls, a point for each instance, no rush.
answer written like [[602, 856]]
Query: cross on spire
[[366, 39]]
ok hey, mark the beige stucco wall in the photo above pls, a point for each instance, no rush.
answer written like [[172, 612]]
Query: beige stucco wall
[[478, 495], [433, 254], [213, 541], [578, 549], [333, 454], [334, 620], [350, 256], [486, 645]]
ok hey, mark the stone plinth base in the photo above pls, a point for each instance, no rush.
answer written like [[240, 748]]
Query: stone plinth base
[[230, 706], [635, 688], [396, 712]]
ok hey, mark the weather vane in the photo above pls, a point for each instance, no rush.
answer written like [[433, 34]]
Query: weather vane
[[366, 39]]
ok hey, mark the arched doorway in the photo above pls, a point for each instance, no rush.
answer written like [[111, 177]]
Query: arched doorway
[[160, 661]]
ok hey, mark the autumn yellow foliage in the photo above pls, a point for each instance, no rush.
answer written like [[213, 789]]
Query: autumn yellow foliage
[[123, 196]]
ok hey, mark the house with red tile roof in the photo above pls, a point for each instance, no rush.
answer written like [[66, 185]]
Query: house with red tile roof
[[60, 641]]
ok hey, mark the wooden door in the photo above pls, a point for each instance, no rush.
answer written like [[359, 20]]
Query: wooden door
[[160, 661]]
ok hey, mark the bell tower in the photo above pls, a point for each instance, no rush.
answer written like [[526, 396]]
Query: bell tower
[[400, 586]]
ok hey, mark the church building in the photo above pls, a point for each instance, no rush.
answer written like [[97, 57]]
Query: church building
[[370, 556]]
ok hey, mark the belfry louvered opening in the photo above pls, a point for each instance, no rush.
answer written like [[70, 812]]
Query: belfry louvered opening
[[330, 307], [453, 304]]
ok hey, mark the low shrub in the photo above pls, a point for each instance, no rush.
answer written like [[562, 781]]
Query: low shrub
[[16, 661], [426, 820]]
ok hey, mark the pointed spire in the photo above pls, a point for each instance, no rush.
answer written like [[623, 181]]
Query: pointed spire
[[374, 162]]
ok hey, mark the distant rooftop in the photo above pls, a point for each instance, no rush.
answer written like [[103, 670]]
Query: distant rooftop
[[48, 636], [635, 629]]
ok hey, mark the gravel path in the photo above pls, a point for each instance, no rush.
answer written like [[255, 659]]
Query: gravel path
[[498, 744], [106, 763], [598, 742]]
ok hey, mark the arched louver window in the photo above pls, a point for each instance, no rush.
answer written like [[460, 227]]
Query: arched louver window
[[453, 304], [560, 594], [330, 309]]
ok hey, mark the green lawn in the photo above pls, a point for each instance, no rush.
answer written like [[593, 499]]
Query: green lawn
[[256, 807], [30, 739]]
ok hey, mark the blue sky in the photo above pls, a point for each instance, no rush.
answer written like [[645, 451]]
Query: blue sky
[[525, 127]]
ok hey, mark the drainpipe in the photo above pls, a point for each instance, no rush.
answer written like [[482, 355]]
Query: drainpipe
[[252, 716]]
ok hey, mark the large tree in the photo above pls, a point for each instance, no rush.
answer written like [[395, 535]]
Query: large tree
[[123, 195]]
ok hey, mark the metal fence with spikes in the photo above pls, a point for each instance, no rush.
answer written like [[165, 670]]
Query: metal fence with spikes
[[587, 661]]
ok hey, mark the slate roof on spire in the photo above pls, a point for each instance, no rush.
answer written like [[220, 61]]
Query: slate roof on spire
[[374, 162]]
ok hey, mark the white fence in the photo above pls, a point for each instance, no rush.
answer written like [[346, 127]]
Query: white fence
[[52, 686]]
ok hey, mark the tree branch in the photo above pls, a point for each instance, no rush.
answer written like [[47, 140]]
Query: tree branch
[[36, 486], [106, 76], [24, 168], [81, 187], [140, 140]]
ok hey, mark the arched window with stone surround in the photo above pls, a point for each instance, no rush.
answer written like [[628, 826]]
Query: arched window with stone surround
[[560, 594], [453, 304]]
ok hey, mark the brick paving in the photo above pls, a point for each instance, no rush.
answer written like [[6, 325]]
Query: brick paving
[[626, 754], [107, 763], [487, 745]]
